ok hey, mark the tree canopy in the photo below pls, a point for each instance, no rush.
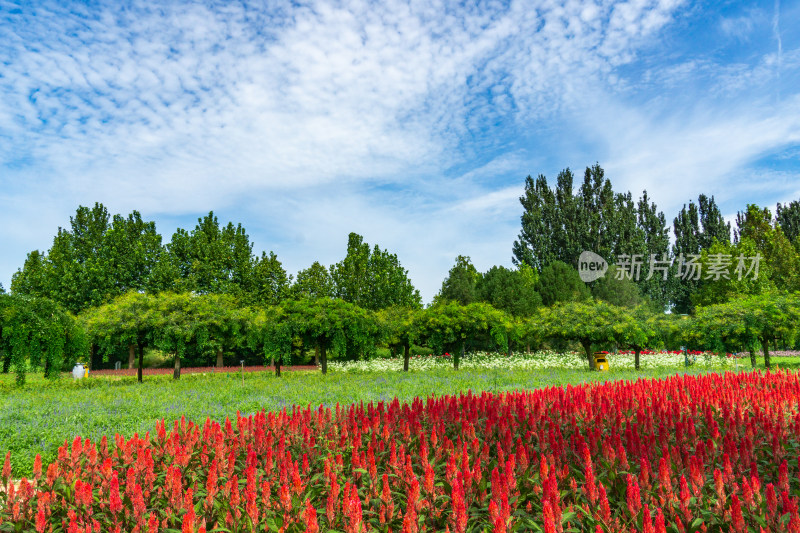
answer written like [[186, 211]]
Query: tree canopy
[[96, 259], [372, 279], [35, 333], [511, 291], [559, 282], [588, 322], [449, 326], [460, 283]]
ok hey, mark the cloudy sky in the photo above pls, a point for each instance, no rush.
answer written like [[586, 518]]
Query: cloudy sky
[[412, 123]]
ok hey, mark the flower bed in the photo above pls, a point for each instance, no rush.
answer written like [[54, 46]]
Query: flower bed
[[538, 361], [714, 452]]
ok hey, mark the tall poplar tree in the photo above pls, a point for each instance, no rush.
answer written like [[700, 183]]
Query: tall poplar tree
[[535, 245], [788, 217], [654, 228], [712, 223]]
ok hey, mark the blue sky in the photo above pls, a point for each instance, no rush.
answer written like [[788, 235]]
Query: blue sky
[[412, 123]]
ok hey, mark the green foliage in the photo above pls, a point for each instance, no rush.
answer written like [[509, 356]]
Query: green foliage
[[130, 320], [449, 326], [35, 333], [724, 326], [779, 255], [217, 324], [372, 280], [511, 291], [638, 328], [557, 225], [271, 331], [588, 322], [744, 321], [172, 322], [541, 220], [400, 327], [616, 290], [788, 218], [98, 258], [714, 291], [329, 324], [313, 282], [269, 284], [212, 259], [460, 283], [755, 224], [559, 282]]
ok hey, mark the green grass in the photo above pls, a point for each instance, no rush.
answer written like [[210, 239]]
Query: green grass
[[40, 416]]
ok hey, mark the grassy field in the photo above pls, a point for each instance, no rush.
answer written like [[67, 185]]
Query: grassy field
[[40, 416]]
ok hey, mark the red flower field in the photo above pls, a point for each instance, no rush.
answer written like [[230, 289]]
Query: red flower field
[[711, 453]]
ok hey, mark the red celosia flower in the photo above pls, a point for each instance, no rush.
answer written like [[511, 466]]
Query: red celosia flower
[[660, 525], [783, 477], [772, 501], [37, 466], [310, 518], [589, 485], [634, 499], [7, 468], [115, 503], [549, 519], [647, 522], [737, 520], [605, 508]]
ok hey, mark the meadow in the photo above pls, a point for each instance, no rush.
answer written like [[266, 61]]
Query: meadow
[[38, 418], [713, 452], [521, 443]]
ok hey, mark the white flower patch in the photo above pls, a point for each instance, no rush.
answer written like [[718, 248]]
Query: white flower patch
[[535, 361]]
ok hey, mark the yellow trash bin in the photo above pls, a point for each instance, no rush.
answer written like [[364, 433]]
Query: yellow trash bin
[[601, 361]]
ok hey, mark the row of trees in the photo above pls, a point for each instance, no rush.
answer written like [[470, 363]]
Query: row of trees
[[99, 257], [35, 333], [559, 223]]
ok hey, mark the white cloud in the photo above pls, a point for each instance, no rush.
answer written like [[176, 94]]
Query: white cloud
[[403, 121]]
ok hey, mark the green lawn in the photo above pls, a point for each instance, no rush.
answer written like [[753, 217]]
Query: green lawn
[[40, 416]]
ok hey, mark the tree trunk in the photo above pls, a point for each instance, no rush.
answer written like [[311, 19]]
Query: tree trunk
[[406, 356], [752, 357], [6, 361], [278, 367], [131, 355], [457, 355], [141, 362], [96, 358], [765, 347], [587, 347], [220, 361], [323, 358], [316, 355], [528, 348], [637, 351], [510, 350], [176, 373]]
